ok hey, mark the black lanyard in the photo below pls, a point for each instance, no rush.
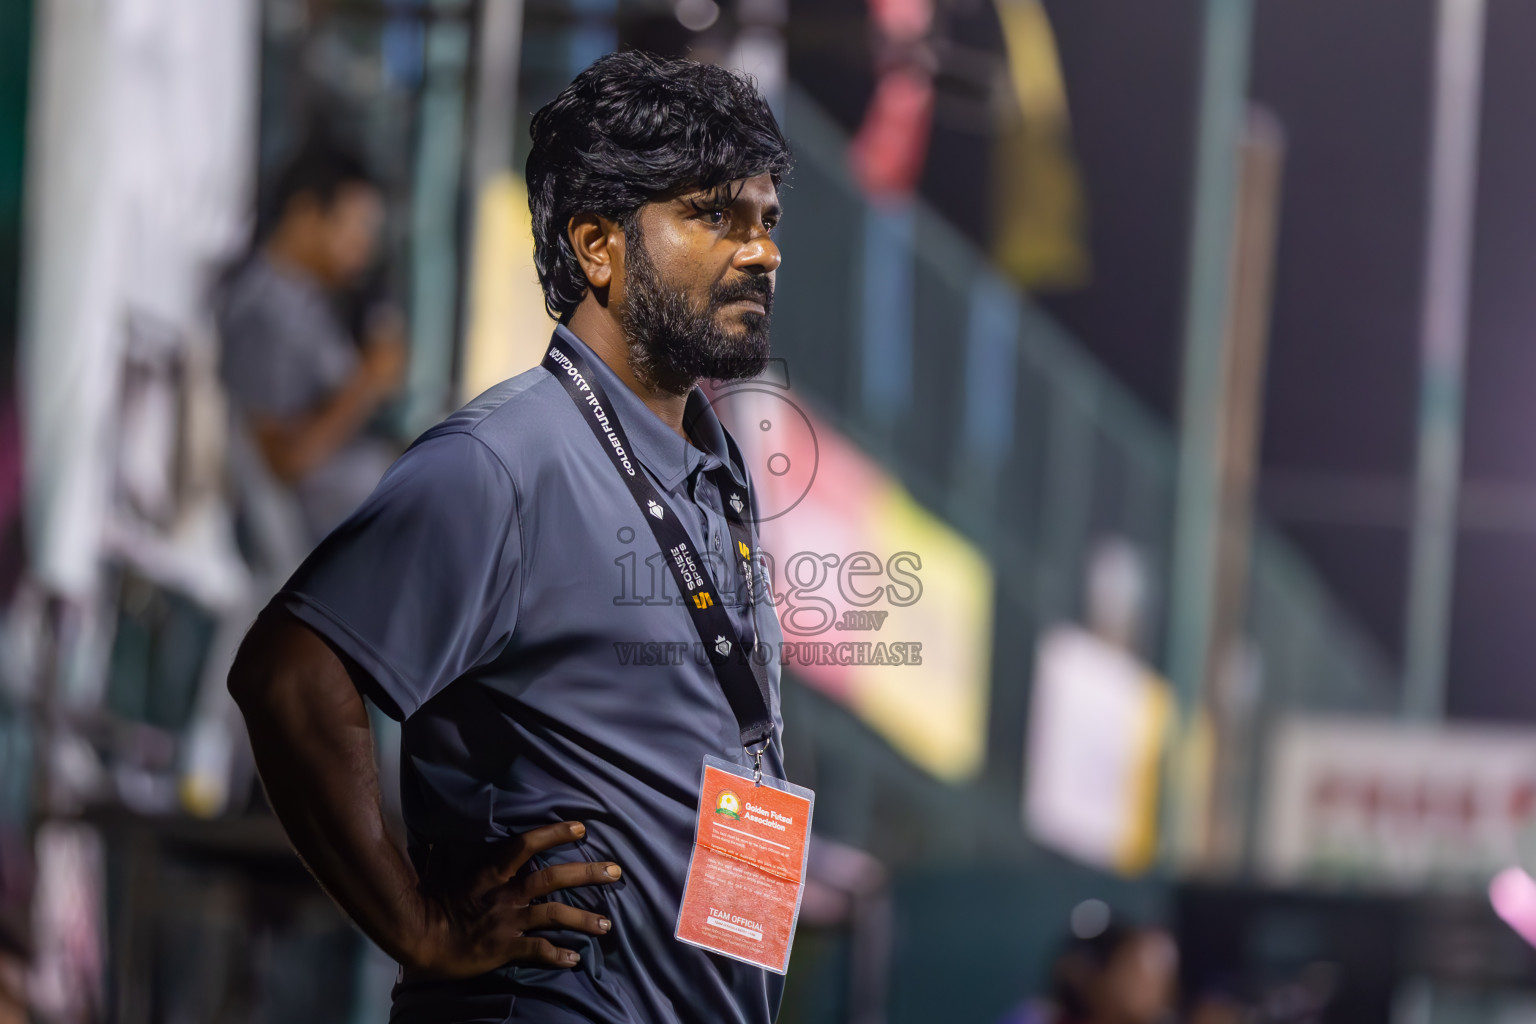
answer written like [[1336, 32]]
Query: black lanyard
[[744, 681]]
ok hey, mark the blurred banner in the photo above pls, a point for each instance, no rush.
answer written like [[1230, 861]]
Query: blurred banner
[[1097, 729], [1403, 806], [883, 606]]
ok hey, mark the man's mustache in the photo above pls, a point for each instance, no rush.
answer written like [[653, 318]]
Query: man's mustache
[[752, 288]]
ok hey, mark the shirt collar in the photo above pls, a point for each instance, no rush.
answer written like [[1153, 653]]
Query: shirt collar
[[662, 450]]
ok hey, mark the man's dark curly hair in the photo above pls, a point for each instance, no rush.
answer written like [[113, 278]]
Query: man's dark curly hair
[[630, 129]]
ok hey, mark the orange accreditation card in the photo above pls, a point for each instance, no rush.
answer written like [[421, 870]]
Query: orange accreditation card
[[747, 872]]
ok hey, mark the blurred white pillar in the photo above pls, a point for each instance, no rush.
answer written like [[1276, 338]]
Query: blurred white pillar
[[759, 49], [140, 142], [498, 56], [1447, 279], [68, 366]]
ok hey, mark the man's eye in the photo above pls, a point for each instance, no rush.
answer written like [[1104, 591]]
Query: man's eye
[[715, 216]]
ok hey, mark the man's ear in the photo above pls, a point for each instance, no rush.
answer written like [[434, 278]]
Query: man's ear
[[597, 242]]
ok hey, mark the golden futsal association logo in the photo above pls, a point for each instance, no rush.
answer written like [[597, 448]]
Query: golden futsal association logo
[[729, 804]]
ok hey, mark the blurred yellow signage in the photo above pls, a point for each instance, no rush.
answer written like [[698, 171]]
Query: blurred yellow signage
[[508, 326], [883, 606]]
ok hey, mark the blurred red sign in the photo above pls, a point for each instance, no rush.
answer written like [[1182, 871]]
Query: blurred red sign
[[1384, 803]]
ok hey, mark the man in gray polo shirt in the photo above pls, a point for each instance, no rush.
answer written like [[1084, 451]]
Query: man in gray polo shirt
[[495, 591]]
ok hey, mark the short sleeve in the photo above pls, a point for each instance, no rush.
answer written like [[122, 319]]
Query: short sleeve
[[420, 584]]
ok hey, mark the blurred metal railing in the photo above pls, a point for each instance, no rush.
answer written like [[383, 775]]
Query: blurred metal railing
[[1058, 455]]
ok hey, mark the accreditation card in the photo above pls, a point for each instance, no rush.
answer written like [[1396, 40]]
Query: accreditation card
[[747, 872]]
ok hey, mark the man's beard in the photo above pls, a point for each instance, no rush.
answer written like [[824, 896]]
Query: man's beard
[[672, 344]]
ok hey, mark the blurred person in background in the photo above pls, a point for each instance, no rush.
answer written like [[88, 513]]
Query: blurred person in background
[[304, 390], [304, 374], [1121, 975]]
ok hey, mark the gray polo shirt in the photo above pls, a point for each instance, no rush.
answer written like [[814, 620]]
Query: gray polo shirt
[[511, 605]]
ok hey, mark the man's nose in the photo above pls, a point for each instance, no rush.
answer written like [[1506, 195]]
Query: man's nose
[[760, 255]]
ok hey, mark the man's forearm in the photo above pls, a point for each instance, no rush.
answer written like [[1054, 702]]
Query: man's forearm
[[314, 750]]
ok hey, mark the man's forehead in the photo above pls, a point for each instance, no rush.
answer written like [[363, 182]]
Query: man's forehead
[[758, 188]]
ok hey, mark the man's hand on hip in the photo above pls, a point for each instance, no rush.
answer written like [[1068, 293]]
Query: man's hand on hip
[[474, 928], [313, 745]]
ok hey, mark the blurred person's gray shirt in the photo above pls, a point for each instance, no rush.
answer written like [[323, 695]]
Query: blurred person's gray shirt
[[285, 352]]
